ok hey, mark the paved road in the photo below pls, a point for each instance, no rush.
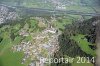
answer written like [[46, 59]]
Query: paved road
[[50, 12]]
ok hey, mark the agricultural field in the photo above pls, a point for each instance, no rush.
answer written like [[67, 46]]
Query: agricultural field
[[37, 31], [31, 30]]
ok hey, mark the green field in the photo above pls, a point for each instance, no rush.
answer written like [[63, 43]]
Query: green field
[[83, 44], [61, 23], [81, 9], [9, 36], [8, 58]]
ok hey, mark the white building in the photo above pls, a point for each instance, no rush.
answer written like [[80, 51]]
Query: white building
[[61, 7]]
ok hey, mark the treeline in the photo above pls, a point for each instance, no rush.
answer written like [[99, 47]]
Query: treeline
[[70, 47]]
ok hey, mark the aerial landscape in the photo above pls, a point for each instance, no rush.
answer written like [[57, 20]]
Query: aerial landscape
[[49, 33]]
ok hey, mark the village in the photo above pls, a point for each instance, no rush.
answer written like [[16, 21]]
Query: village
[[43, 45]]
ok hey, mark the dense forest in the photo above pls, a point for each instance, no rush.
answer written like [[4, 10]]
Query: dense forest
[[85, 30]]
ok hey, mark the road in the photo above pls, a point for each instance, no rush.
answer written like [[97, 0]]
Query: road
[[49, 12]]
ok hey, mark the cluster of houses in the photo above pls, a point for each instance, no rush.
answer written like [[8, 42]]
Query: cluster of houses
[[44, 46], [7, 14]]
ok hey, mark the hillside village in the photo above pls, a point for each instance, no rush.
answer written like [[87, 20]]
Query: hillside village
[[42, 45]]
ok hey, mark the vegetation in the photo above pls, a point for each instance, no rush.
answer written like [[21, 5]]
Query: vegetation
[[75, 35], [76, 40], [83, 44], [9, 36]]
